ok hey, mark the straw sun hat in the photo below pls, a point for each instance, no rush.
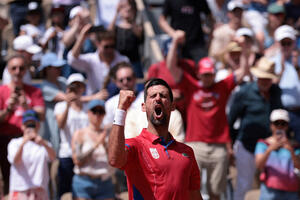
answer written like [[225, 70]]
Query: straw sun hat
[[264, 68]]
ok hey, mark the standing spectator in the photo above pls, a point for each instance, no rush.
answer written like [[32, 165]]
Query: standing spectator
[[157, 166], [277, 158], [287, 66], [29, 157], [207, 128], [95, 65], [16, 97], [70, 116], [106, 10], [128, 34], [225, 33], [253, 104], [92, 178], [185, 17], [53, 88]]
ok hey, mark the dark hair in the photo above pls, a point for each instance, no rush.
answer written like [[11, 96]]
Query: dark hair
[[119, 66], [105, 35], [157, 81]]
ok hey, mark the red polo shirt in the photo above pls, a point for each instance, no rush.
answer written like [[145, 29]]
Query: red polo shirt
[[160, 171]]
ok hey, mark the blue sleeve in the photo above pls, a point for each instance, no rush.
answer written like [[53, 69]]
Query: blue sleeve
[[260, 148]]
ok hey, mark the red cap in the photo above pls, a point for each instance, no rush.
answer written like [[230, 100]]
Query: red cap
[[206, 65]]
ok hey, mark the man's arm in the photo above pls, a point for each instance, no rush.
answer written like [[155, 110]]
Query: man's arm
[[195, 195], [117, 155], [172, 57], [79, 42], [164, 25], [244, 64]]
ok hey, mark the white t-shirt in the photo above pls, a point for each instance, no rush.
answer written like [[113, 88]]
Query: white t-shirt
[[106, 10], [76, 120], [112, 104], [33, 171], [95, 69]]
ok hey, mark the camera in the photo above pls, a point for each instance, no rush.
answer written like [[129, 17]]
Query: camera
[[17, 91]]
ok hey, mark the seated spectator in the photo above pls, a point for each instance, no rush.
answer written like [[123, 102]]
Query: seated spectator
[[277, 157], [92, 178], [96, 65], [16, 97], [70, 116], [29, 157], [128, 34]]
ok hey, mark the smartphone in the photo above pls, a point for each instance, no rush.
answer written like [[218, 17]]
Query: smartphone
[[280, 133]]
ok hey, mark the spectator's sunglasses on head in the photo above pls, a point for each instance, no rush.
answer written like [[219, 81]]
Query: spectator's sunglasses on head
[[128, 79], [280, 123], [98, 111], [286, 43], [109, 46]]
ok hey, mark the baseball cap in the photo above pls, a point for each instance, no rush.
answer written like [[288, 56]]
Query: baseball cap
[[33, 6], [279, 114], [244, 32], [234, 4], [30, 115], [285, 31], [25, 42], [94, 103], [51, 59], [275, 8], [74, 11], [76, 77], [206, 66]]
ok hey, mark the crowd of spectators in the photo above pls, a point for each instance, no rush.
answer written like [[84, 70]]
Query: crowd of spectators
[[230, 63]]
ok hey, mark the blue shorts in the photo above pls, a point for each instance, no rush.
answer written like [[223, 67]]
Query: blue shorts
[[267, 193], [89, 188]]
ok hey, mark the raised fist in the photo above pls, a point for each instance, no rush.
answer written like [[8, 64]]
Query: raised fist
[[125, 99]]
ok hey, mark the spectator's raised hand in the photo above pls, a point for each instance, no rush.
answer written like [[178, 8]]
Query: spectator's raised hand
[[179, 36], [102, 94]]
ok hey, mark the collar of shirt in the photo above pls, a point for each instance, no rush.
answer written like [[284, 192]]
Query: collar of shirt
[[156, 139]]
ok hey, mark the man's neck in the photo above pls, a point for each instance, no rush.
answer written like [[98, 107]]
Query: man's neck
[[160, 131], [106, 59]]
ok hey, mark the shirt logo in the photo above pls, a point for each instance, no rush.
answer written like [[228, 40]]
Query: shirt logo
[[154, 153], [185, 155]]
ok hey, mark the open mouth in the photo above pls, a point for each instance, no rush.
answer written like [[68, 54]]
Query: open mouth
[[158, 111]]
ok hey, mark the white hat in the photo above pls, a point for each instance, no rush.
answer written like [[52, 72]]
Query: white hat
[[285, 31], [77, 77], [74, 11], [244, 32], [279, 114], [234, 4], [25, 42]]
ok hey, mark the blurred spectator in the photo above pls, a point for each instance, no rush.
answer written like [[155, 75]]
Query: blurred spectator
[[252, 104], [207, 129], [95, 65], [23, 45], [70, 116], [278, 157], [293, 14], [185, 16], [16, 97], [29, 157], [34, 27], [129, 34], [106, 10], [287, 67], [219, 10], [52, 39], [18, 10], [267, 44], [225, 33], [92, 178], [53, 88]]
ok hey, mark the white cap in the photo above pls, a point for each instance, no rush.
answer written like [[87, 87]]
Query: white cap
[[279, 114], [244, 32], [234, 4], [285, 31], [33, 5], [31, 30], [74, 11], [76, 77], [25, 42]]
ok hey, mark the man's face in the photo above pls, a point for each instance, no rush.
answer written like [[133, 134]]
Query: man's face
[[17, 69], [107, 47], [158, 105], [125, 79], [264, 84], [287, 46], [207, 79], [236, 15]]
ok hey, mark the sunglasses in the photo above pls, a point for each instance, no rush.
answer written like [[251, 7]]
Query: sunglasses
[[128, 79], [280, 123], [109, 46], [98, 111], [21, 68], [286, 44]]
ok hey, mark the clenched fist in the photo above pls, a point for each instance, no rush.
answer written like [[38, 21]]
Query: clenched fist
[[125, 99]]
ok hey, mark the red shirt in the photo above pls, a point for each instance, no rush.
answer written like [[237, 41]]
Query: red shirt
[[206, 117], [13, 121], [157, 171]]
